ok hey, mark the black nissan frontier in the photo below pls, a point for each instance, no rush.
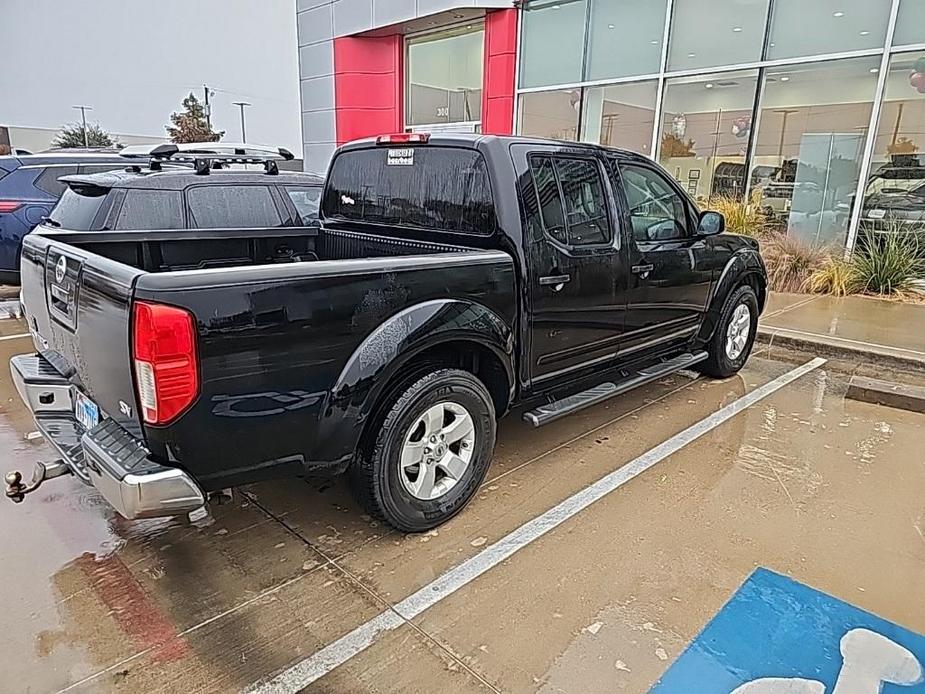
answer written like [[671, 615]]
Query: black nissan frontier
[[449, 280]]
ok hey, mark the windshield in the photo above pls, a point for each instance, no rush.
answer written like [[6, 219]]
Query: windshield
[[78, 207]]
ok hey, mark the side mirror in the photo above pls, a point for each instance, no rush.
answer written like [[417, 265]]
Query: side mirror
[[711, 223]]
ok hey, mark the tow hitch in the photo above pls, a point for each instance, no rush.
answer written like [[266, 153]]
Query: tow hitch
[[16, 490]]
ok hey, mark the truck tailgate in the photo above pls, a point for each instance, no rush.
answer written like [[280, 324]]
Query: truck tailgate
[[78, 306]]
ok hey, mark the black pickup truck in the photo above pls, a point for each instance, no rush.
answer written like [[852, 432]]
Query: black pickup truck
[[451, 279]]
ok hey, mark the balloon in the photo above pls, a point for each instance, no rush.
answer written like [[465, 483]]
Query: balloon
[[920, 65], [917, 79]]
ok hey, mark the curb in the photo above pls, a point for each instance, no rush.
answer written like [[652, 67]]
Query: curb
[[840, 348], [898, 395]]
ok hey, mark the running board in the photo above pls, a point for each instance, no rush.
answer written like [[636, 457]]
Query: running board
[[544, 414]]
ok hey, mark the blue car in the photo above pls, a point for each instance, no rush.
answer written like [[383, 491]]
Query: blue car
[[29, 188]]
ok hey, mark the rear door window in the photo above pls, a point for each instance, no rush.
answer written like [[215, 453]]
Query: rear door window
[[572, 202], [151, 209], [78, 207], [48, 179], [232, 207], [439, 188]]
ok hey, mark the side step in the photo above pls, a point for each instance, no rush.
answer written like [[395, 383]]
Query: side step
[[544, 414]]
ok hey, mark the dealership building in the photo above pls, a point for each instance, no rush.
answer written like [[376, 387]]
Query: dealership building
[[812, 109]]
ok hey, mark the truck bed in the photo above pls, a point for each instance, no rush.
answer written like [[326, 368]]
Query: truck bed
[[285, 320]]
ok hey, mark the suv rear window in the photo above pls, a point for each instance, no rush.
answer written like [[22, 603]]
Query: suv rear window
[[440, 188], [78, 207]]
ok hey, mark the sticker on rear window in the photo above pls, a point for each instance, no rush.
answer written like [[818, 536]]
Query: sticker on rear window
[[400, 157]]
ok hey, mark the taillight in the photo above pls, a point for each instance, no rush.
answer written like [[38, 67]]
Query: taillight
[[9, 206], [403, 139], [166, 366]]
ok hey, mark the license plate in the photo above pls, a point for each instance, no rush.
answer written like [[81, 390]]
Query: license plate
[[86, 411], [876, 214]]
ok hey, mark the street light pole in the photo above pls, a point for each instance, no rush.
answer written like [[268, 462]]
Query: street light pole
[[83, 118], [208, 109], [241, 105]]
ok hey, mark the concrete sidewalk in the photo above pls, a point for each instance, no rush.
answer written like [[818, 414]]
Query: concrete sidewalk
[[868, 336]]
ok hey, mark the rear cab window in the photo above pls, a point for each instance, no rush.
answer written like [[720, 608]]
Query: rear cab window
[[431, 187]]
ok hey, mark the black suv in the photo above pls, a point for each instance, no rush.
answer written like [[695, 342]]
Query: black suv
[[205, 195]]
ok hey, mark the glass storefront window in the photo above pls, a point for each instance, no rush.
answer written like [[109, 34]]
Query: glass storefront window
[[444, 82], [709, 33], [894, 196], [552, 42], [705, 130], [810, 143], [552, 114], [625, 38], [621, 115], [814, 27], [910, 23]]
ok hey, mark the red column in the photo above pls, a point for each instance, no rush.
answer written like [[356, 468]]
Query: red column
[[498, 82], [367, 86]]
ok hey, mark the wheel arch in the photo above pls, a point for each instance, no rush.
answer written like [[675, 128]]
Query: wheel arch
[[433, 334], [744, 267]]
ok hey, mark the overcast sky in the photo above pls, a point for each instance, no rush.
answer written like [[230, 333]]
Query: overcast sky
[[134, 61]]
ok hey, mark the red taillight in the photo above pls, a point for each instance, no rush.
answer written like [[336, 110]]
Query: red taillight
[[403, 139], [166, 367], [9, 206]]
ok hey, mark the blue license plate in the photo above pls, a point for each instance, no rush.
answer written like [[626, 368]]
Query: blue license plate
[[86, 411]]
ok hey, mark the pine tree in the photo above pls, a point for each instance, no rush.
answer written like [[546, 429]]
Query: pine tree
[[190, 124]]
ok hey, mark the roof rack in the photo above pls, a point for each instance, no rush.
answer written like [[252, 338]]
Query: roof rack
[[208, 155]]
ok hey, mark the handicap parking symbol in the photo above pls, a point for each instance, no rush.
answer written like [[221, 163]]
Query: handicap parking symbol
[[777, 636]]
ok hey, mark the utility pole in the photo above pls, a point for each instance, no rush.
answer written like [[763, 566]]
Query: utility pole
[[242, 105], [83, 117], [208, 109]]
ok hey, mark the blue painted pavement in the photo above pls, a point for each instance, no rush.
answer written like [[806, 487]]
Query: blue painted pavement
[[777, 636]]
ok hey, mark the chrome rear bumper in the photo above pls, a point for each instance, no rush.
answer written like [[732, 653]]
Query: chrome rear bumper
[[107, 456]]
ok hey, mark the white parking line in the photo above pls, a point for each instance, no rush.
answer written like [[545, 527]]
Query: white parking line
[[14, 337], [337, 653]]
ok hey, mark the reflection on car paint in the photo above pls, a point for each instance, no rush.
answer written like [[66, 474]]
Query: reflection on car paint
[[262, 404]]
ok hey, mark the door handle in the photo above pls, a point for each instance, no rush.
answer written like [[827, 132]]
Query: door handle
[[642, 269], [555, 280]]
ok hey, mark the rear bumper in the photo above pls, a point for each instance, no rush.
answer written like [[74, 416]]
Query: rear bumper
[[107, 456]]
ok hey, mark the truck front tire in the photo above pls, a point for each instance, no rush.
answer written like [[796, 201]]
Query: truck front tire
[[430, 453], [732, 341]]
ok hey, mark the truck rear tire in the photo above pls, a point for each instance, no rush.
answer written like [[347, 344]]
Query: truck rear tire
[[732, 341], [430, 454]]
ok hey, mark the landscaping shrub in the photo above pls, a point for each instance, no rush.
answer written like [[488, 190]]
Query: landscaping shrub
[[742, 216], [790, 261], [836, 276], [888, 264]]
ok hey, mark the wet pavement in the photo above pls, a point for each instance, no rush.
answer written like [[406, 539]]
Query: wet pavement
[[862, 320], [805, 483]]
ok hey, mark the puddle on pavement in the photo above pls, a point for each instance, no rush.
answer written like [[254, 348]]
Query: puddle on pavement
[[805, 483]]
